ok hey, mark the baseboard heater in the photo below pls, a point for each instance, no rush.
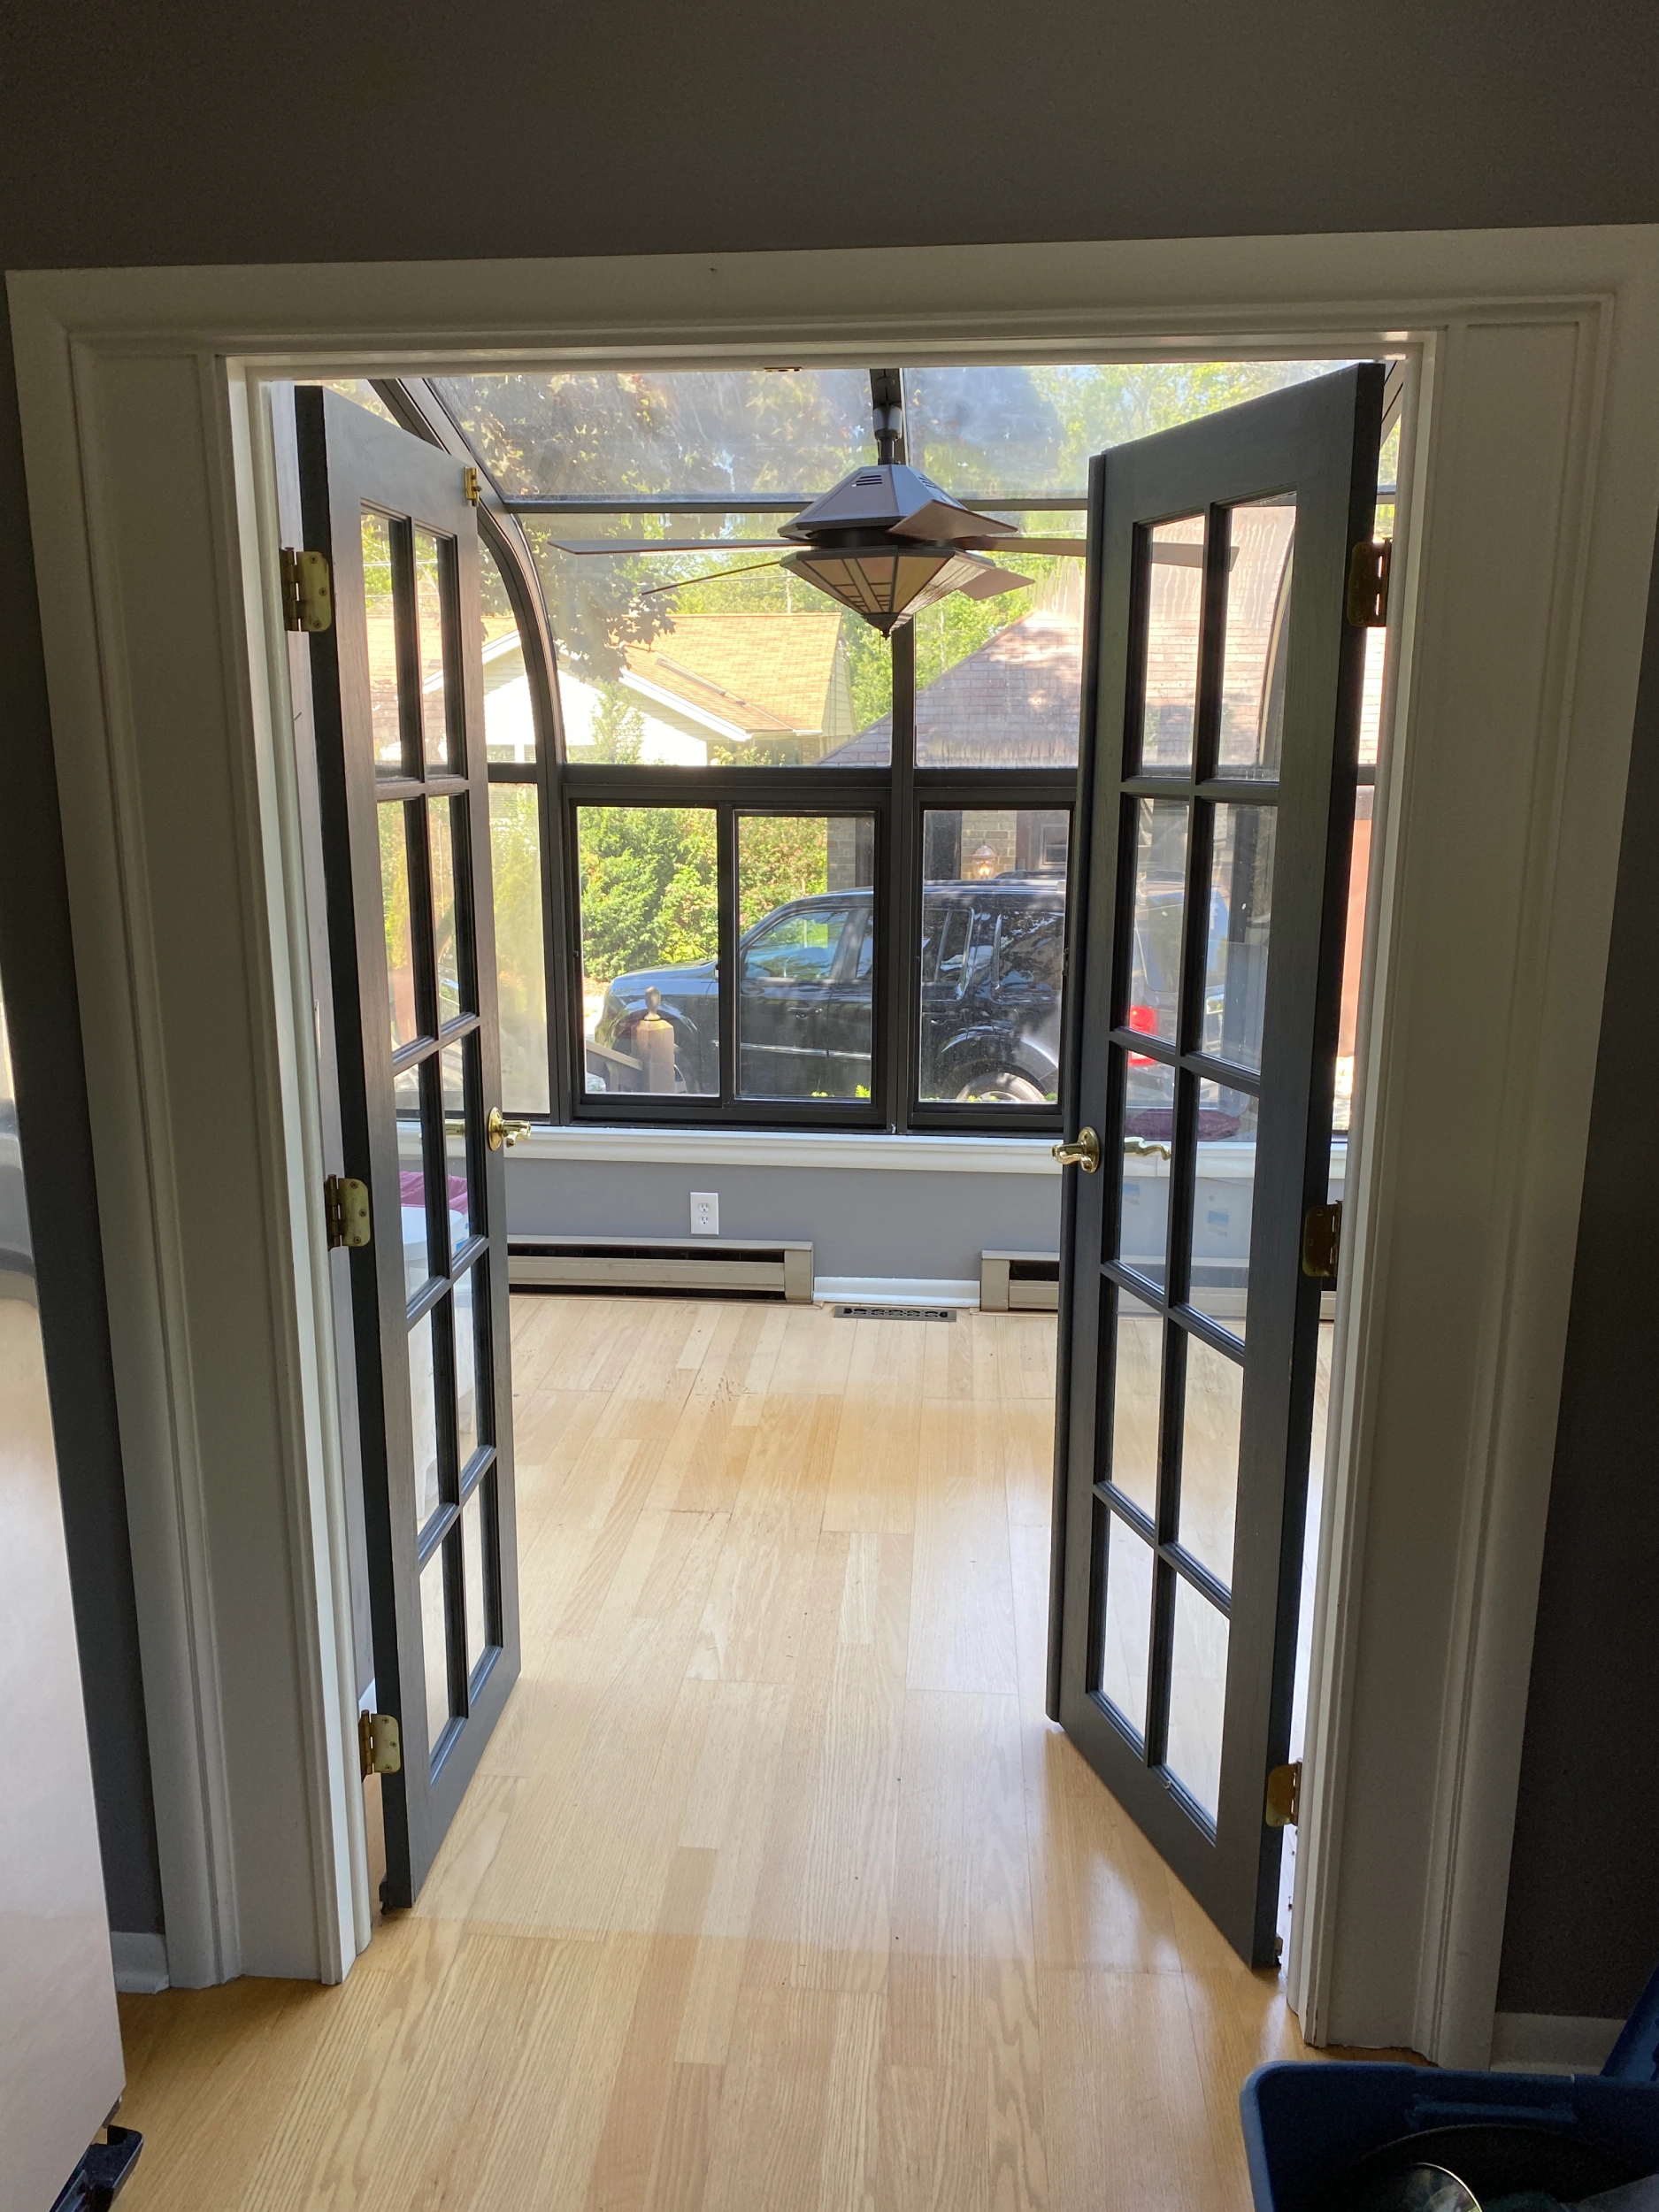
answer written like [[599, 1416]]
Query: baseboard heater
[[693, 1267], [1020, 1282]]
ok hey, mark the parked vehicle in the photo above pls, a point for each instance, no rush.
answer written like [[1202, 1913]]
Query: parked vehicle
[[992, 961]]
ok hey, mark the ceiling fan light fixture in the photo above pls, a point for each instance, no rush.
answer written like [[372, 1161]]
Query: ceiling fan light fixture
[[885, 583]]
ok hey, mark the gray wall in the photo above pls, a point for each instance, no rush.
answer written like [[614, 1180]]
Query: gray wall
[[861, 1221], [190, 132], [1582, 1932]]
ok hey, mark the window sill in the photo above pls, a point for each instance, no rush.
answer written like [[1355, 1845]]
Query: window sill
[[920, 1154]]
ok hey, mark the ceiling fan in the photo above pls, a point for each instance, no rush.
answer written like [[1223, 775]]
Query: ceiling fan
[[886, 542]]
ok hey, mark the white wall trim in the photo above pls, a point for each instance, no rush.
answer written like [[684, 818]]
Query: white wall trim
[[1519, 680], [896, 1290], [926, 1155], [1552, 2043], [140, 1962]]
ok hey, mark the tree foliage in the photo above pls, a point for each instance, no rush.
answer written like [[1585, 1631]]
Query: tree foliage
[[649, 880]]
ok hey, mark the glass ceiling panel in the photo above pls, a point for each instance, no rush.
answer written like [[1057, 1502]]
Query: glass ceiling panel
[[630, 433], [1001, 431]]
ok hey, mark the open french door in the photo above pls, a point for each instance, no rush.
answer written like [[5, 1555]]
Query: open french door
[[401, 844], [1227, 601]]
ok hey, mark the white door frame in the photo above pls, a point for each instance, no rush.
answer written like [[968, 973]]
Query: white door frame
[[1533, 485]]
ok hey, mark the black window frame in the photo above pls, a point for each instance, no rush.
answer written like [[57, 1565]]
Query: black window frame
[[897, 795]]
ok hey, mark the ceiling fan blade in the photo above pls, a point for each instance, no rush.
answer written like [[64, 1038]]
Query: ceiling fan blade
[[990, 583], [1078, 547], [714, 576], [669, 545], [1164, 554]]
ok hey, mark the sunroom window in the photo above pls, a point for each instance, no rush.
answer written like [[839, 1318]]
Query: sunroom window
[[756, 862]]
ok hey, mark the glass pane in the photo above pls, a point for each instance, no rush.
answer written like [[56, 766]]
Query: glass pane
[[458, 1184], [706, 653], [1160, 896], [1263, 538], [1371, 695], [432, 589], [509, 717], [479, 1635], [362, 394], [650, 993], [806, 954], [399, 950], [446, 820], [411, 1178], [1377, 640], [1137, 1381], [385, 729], [1198, 1696], [1353, 952], [993, 954], [1174, 602], [435, 1636], [1240, 924], [1126, 1636], [1143, 1212], [999, 682], [1032, 428], [1209, 1456], [632, 432], [423, 1415], [465, 1368], [1222, 1197], [515, 852]]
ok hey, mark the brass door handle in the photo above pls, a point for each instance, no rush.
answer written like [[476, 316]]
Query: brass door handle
[[1146, 1149], [1083, 1152], [499, 1131]]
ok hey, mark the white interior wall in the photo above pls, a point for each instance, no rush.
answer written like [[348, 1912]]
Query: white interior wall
[[894, 1222]]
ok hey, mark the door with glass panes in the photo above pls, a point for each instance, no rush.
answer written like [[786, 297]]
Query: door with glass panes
[[398, 702], [1221, 710]]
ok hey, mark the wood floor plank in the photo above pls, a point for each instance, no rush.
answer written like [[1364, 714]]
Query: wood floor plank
[[775, 1887], [769, 2136], [1118, 2060], [962, 1634], [637, 2108]]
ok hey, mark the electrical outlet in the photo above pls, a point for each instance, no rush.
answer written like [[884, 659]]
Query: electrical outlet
[[705, 1213]]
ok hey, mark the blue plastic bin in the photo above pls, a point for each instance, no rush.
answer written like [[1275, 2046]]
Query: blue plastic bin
[[1307, 2123]]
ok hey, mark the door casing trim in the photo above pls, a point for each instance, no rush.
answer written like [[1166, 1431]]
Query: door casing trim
[[138, 397]]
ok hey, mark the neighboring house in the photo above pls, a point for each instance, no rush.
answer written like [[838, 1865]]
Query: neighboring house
[[771, 687], [1013, 704]]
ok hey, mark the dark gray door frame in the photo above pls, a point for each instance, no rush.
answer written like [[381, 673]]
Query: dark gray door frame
[[1319, 441]]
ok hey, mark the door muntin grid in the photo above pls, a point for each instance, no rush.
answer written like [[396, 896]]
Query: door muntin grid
[[423, 805], [1191, 945]]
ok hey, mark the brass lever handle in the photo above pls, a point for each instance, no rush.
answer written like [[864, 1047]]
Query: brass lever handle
[[499, 1131], [1084, 1152], [1147, 1147]]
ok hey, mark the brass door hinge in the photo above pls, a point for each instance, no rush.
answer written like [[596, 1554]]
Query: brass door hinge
[[1284, 1795], [1322, 1241], [308, 596], [379, 1744], [346, 1211], [471, 482], [1368, 567]]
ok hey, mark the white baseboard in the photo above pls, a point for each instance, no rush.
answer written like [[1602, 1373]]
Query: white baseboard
[[140, 1962], [1551, 2043], [897, 1290]]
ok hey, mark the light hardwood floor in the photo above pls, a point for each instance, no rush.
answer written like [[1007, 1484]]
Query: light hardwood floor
[[776, 1889]]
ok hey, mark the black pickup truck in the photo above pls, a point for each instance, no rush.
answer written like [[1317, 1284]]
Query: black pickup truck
[[992, 960]]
